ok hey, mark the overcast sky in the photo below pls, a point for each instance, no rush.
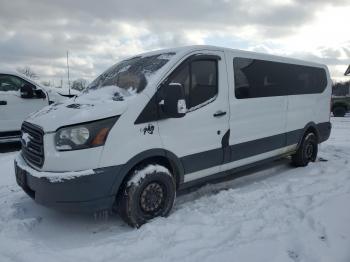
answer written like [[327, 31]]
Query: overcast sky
[[100, 33]]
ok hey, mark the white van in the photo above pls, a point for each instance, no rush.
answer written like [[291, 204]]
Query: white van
[[19, 97], [162, 121]]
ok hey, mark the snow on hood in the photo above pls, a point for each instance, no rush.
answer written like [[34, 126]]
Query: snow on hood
[[89, 106]]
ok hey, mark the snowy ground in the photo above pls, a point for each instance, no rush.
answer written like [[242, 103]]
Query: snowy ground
[[277, 214]]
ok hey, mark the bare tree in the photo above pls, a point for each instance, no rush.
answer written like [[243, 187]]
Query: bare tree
[[45, 83], [79, 84], [28, 72]]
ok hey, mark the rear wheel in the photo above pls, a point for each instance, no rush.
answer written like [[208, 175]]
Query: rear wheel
[[307, 151], [149, 192], [339, 111]]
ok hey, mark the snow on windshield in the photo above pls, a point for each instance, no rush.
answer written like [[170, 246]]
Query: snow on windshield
[[107, 93], [128, 77]]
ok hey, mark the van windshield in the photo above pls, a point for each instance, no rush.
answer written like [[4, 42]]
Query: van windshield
[[130, 75]]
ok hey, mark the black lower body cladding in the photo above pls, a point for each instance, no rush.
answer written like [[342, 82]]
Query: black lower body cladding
[[215, 157]]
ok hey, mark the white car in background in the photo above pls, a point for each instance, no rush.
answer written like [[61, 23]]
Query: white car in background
[[19, 97]]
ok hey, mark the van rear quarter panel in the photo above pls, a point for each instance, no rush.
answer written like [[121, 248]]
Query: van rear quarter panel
[[303, 109], [299, 109], [254, 118]]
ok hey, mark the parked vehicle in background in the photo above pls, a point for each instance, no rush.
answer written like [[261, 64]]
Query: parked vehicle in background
[[171, 119], [341, 97], [58, 94], [340, 105], [19, 97]]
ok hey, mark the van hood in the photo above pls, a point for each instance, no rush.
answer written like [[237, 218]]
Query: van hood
[[89, 106]]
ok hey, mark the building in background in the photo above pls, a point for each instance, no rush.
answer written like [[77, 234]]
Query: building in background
[[342, 88]]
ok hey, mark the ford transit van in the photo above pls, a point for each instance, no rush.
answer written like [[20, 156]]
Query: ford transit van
[[162, 121]]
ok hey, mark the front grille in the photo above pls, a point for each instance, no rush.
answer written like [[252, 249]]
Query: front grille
[[32, 140]]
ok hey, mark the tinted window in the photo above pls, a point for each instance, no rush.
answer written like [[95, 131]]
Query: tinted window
[[204, 84], [182, 76], [10, 83], [259, 78], [13, 83], [199, 78]]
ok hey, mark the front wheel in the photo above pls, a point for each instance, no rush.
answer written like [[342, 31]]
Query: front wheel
[[149, 192], [307, 151]]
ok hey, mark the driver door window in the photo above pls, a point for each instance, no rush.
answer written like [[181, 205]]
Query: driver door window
[[200, 81]]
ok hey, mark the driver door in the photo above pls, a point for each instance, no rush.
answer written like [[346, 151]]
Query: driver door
[[196, 138], [13, 108]]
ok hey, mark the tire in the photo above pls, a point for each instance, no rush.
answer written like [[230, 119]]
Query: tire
[[339, 111], [149, 192], [307, 151]]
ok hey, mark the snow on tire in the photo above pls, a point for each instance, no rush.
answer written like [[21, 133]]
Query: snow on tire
[[149, 192]]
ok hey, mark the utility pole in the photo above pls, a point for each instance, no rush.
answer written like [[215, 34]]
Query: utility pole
[[68, 74]]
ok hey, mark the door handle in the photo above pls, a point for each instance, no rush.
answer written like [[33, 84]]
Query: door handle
[[219, 113], [3, 103]]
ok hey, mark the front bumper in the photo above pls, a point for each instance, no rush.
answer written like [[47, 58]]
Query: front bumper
[[87, 191]]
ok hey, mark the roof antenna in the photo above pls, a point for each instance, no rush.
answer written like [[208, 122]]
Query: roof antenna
[[68, 74]]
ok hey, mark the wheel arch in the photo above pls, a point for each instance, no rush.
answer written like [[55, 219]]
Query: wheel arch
[[161, 156], [310, 127]]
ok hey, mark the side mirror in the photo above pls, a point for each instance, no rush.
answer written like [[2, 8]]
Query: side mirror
[[174, 103], [27, 91]]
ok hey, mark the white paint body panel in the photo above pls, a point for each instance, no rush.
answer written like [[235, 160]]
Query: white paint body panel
[[17, 109], [197, 130], [254, 118], [127, 139]]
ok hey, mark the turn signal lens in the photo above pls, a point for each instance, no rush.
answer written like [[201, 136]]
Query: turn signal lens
[[100, 138]]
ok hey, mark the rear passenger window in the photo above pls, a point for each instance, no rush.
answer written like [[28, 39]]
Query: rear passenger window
[[200, 80], [259, 78]]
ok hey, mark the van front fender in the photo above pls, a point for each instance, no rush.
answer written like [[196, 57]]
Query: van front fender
[[143, 157]]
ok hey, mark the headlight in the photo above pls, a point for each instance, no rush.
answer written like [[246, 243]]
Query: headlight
[[83, 136]]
